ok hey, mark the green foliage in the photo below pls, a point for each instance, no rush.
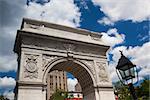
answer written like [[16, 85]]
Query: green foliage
[[122, 91], [142, 91], [3, 98], [59, 95], [70, 96]]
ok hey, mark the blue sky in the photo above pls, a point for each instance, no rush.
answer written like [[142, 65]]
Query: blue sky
[[123, 24]]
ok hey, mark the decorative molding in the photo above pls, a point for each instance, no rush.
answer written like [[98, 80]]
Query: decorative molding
[[96, 37], [37, 27], [46, 59], [90, 65], [69, 47], [62, 46], [34, 26], [31, 69], [29, 83], [102, 72]]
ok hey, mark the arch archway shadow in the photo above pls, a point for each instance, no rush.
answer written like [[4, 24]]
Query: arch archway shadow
[[77, 69]]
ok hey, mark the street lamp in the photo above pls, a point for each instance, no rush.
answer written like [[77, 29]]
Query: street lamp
[[127, 72]]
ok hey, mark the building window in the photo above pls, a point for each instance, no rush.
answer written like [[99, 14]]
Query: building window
[[51, 76], [59, 78], [56, 86], [64, 87]]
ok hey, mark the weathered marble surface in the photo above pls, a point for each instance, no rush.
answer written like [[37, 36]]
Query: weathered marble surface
[[43, 47]]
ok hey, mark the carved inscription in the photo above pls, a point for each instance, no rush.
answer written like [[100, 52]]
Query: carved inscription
[[31, 69], [102, 72]]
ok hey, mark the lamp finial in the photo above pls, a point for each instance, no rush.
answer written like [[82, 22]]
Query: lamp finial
[[121, 52]]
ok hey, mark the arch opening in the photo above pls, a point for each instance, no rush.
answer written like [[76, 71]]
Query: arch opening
[[80, 71]]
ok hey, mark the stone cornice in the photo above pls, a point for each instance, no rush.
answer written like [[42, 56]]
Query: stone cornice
[[28, 83], [58, 27]]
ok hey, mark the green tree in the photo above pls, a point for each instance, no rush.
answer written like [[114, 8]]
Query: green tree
[[122, 91], [3, 98], [59, 95], [143, 90]]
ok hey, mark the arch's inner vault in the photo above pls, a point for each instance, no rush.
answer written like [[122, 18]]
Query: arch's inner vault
[[44, 47], [80, 73]]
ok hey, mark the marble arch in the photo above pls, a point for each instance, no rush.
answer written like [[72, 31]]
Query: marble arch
[[76, 68], [43, 47], [63, 60]]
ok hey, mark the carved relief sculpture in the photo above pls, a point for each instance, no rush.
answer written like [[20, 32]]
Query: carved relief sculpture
[[102, 72], [90, 65], [69, 47], [47, 59], [31, 69]]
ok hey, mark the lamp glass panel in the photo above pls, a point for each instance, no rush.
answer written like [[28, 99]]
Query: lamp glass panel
[[122, 73], [127, 73], [132, 71]]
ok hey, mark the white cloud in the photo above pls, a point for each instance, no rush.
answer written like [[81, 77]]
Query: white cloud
[[7, 83], [8, 63], [140, 56], [106, 21], [115, 10], [56, 13], [71, 82], [82, 4], [112, 37], [52, 11], [9, 95]]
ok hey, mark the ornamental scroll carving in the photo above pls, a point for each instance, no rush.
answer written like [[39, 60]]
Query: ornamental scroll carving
[[31, 68], [46, 59], [102, 72], [96, 36], [90, 65], [69, 47]]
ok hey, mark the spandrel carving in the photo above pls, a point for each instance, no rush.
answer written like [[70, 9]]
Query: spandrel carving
[[102, 73], [90, 65], [46, 59]]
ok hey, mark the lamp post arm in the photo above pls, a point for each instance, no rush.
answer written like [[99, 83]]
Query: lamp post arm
[[121, 52]]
